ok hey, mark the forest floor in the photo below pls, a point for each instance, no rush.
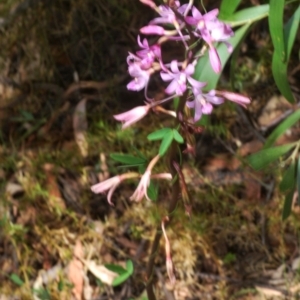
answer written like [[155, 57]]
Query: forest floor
[[63, 75]]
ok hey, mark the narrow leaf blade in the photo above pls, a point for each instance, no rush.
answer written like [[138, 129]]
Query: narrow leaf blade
[[290, 31], [264, 157], [228, 7], [281, 129], [127, 159], [247, 15], [287, 207], [276, 27], [289, 179], [279, 70]]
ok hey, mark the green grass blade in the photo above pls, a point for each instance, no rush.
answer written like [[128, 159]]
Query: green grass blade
[[279, 70], [228, 7], [247, 15], [281, 129], [276, 27], [290, 31], [287, 207], [127, 159], [289, 179], [264, 157]]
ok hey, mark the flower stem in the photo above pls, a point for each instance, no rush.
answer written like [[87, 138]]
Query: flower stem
[[172, 156]]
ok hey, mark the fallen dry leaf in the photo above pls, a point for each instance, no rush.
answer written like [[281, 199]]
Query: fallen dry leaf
[[55, 198], [75, 271], [100, 271]]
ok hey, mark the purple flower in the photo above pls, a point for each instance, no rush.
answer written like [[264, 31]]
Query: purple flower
[[132, 116], [110, 184], [136, 70], [142, 187], [167, 16], [148, 54], [214, 59], [153, 29], [237, 98], [211, 30], [202, 103], [149, 3], [178, 78]]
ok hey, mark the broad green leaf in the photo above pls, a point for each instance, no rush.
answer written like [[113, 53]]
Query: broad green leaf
[[289, 179], [204, 71], [116, 268], [129, 266], [165, 143], [247, 15], [264, 157], [127, 159], [177, 136], [281, 129], [152, 191], [16, 279], [279, 70], [123, 277], [276, 27], [228, 7], [159, 134], [287, 207], [298, 179]]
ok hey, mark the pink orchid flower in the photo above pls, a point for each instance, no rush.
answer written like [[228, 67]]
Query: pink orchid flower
[[132, 116], [179, 78], [111, 184]]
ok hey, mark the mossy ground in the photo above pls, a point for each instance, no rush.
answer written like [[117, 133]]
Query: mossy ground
[[223, 251]]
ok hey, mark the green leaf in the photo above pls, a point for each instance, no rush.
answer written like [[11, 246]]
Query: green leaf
[[289, 179], [247, 15], [264, 157], [283, 40], [290, 31], [152, 191], [276, 27], [228, 7], [204, 71], [127, 159], [129, 266], [298, 180], [287, 207], [177, 136], [123, 277], [159, 134], [279, 70], [281, 129], [165, 143], [16, 279], [116, 268]]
